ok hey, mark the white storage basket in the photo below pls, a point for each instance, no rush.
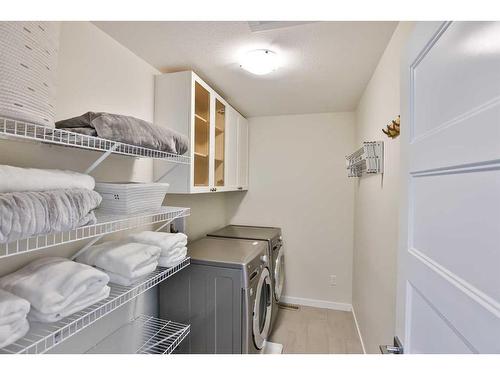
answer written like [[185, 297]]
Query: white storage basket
[[28, 65], [129, 197]]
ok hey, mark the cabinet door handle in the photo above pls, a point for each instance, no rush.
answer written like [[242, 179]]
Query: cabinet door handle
[[240, 187]]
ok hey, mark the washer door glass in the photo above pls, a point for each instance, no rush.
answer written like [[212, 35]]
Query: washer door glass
[[279, 274], [262, 310]]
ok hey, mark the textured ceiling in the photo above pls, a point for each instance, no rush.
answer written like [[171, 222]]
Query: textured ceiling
[[326, 65]]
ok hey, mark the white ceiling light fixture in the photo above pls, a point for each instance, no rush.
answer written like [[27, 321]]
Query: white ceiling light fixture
[[260, 61]]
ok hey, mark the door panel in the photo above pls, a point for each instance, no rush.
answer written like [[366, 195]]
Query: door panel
[[469, 313], [457, 77], [449, 295], [430, 332], [449, 225]]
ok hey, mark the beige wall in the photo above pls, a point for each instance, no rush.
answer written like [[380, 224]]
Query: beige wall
[[376, 204], [298, 182], [208, 212]]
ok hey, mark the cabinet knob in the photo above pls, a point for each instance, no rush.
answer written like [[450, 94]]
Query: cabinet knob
[[240, 187]]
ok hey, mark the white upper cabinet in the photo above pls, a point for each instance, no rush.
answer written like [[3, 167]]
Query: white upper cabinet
[[216, 132], [231, 149], [242, 153]]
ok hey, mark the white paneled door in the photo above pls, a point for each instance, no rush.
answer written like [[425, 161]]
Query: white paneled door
[[449, 261]]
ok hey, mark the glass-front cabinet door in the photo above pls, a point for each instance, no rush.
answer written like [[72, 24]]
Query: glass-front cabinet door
[[201, 136], [219, 144]]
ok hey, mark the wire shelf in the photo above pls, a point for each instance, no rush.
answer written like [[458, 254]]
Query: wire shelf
[[369, 159], [23, 130], [106, 224], [45, 336], [161, 336], [143, 335]]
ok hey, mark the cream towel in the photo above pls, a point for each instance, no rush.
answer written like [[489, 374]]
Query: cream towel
[[78, 305], [175, 257], [14, 179], [168, 242], [13, 332], [116, 278], [130, 260], [53, 285], [13, 323], [12, 308]]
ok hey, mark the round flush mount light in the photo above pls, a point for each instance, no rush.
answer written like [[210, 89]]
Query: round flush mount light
[[260, 61]]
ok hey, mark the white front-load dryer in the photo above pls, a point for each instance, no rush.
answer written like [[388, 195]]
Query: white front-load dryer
[[225, 295], [259, 296]]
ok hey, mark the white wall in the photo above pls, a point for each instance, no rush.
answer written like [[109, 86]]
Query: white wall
[[376, 204], [298, 182]]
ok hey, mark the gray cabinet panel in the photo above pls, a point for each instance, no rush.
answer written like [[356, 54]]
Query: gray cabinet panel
[[208, 298]]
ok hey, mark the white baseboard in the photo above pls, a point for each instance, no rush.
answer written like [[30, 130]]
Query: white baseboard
[[317, 303], [359, 331]]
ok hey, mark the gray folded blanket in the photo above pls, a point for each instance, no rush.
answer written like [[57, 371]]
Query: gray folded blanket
[[27, 214], [129, 130]]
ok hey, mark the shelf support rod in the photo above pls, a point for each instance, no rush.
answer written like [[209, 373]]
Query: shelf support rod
[[178, 217], [101, 158], [166, 173], [84, 249]]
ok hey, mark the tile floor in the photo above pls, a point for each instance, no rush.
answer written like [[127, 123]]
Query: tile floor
[[311, 330]]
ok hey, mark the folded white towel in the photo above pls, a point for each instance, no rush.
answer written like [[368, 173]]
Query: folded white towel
[[116, 278], [78, 305], [10, 333], [13, 322], [14, 179], [130, 260], [166, 241], [12, 308], [172, 259], [54, 284]]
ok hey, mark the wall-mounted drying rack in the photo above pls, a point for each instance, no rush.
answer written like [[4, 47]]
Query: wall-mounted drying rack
[[369, 159], [23, 130], [44, 336], [106, 224]]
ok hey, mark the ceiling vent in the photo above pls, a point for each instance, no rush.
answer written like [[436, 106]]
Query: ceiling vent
[[257, 26]]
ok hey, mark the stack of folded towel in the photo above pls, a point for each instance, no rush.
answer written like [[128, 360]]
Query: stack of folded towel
[[56, 287], [13, 322], [125, 263], [173, 245], [41, 201]]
